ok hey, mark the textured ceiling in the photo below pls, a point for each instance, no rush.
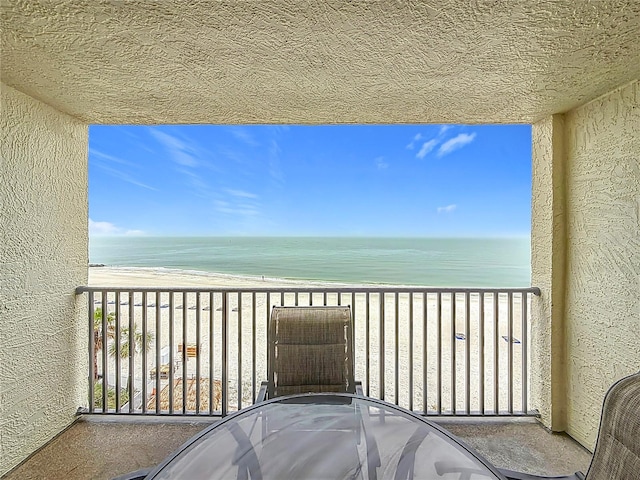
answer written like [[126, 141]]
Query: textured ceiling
[[289, 61]]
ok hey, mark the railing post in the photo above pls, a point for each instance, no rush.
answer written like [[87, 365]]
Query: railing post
[[367, 347], [132, 350], [253, 347], [425, 331], [185, 357], [439, 350], [171, 344], [411, 350], [525, 352], [239, 330], [481, 350], [452, 336], [225, 341], [496, 356], [467, 353], [510, 351], [117, 352], [158, 359], [211, 356], [144, 355], [382, 346], [396, 331], [198, 348], [93, 367]]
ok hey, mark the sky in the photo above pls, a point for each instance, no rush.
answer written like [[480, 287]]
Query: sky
[[338, 180]]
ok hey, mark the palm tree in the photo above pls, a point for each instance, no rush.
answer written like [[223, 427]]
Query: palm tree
[[137, 342], [98, 327], [138, 346], [110, 330]]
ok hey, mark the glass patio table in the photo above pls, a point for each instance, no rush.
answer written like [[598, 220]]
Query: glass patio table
[[318, 436]]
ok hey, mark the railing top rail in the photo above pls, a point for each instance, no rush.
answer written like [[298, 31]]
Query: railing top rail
[[318, 289]]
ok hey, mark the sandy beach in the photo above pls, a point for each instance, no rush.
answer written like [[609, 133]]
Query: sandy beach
[[411, 346]]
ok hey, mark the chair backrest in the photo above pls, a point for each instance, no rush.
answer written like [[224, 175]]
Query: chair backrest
[[310, 350], [617, 452]]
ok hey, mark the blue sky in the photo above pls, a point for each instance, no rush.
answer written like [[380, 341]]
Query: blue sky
[[356, 180]]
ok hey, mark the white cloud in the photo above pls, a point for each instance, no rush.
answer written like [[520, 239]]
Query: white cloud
[[245, 210], [184, 158], [446, 147], [426, 148], [415, 139], [240, 193], [381, 164], [447, 209], [455, 143], [125, 177], [238, 203], [166, 139], [182, 153], [275, 171], [196, 184], [279, 128], [244, 136], [108, 228], [106, 163], [443, 129], [192, 160], [96, 153], [102, 228]]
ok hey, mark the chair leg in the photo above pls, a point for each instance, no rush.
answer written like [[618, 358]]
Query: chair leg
[[373, 454]]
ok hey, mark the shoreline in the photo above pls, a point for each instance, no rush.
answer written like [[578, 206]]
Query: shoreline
[[126, 276], [172, 277]]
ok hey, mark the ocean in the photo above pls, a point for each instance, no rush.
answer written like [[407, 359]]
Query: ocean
[[434, 262]]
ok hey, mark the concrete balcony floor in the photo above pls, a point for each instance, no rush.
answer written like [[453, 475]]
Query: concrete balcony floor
[[103, 447]]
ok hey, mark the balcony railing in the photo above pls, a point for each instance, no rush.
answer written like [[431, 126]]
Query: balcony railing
[[182, 351]]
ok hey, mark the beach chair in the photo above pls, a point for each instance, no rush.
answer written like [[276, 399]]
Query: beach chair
[[310, 350], [617, 452]]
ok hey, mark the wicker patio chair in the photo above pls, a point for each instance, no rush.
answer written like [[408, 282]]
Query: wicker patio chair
[[617, 452], [310, 350]]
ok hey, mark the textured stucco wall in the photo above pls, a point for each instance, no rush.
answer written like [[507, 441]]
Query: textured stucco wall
[[43, 257], [602, 311], [548, 235], [287, 61]]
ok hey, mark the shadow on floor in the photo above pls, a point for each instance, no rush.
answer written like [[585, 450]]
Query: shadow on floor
[[93, 448]]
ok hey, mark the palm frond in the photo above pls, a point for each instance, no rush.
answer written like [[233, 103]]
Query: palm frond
[[138, 339]]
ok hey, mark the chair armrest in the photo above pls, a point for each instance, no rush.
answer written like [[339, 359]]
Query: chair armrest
[[262, 393], [513, 475]]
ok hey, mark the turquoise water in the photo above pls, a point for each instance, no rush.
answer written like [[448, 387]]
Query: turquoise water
[[453, 262]]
